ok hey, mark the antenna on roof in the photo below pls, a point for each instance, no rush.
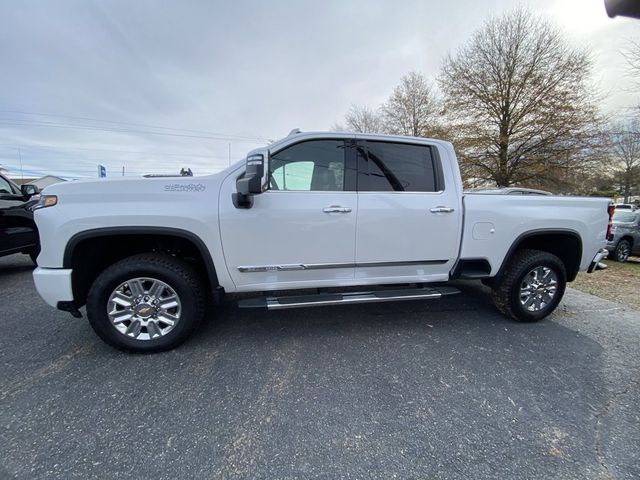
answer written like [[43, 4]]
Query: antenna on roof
[[294, 132]]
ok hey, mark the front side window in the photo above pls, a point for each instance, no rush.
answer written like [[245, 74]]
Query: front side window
[[399, 167], [5, 186], [317, 165]]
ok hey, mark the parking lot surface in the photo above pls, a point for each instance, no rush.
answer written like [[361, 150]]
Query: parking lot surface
[[442, 389]]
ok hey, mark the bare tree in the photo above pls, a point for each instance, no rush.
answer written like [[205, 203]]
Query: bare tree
[[632, 56], [625, 149], [363, 119], [412, 108], [519, 101]]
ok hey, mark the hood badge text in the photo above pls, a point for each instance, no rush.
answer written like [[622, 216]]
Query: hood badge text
[[185, 187]]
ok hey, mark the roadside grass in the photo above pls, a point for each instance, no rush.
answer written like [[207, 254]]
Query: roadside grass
[[620, 282]]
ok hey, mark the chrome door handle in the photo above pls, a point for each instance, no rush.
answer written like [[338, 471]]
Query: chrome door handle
[[441, 209], [336, 209]]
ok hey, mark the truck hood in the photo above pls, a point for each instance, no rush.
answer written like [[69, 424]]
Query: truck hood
[[135, 186]]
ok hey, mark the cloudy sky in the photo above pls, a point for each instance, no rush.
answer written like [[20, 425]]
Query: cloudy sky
[[157, 85]]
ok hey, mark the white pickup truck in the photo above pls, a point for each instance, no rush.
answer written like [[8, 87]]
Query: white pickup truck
[[308, 218]]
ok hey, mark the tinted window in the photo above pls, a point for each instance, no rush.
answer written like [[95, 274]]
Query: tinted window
[[384, 167], [317, 165], [5, 186]]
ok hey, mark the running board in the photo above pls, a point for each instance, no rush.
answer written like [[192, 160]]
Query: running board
[[322, 299]]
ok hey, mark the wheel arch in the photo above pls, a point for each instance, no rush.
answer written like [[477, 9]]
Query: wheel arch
[[628, 238], [566, 244], [107, 245]]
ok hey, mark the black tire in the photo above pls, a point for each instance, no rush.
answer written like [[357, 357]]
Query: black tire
[[622, 251], [506, 293], [175, 273]]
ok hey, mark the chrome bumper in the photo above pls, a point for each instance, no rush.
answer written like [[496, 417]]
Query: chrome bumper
[[602, 253]]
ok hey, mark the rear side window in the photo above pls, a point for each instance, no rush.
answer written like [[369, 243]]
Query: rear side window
[[317, 165], [399, 167]]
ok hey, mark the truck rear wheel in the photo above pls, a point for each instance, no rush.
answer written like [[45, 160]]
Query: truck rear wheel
[[146, 303], [532, 286]]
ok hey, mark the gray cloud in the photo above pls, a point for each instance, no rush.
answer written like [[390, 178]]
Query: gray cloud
[[251, 69]]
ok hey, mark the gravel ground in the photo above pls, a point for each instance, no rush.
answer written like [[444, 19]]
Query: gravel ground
[[443, 389]]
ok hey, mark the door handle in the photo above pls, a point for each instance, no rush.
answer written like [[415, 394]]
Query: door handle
[[336, 209], [441, 209]]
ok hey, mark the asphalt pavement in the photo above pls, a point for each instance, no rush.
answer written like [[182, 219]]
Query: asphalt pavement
[[440, 389]]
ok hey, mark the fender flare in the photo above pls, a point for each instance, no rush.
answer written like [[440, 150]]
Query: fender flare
[[534, 233], [169, 231]]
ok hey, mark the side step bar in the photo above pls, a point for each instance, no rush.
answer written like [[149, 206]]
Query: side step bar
[[322, 299]]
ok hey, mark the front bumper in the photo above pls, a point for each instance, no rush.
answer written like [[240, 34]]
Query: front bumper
[[53, 285], [602, 253]]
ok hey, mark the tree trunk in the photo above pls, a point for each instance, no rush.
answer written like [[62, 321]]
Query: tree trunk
[[502, 177], [628, 179]]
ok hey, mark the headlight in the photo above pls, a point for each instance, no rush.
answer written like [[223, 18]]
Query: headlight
[[45, 201]]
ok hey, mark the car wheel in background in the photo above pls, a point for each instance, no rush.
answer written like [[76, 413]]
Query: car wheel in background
[[622, 251]]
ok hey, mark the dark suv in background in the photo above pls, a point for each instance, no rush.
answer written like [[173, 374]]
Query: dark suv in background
[[18, 233]]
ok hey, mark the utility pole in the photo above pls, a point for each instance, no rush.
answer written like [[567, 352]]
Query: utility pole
[[123, 170], [20, 158]]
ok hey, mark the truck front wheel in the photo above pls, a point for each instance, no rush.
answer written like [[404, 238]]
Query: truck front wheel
[[146, 303], [531, 287]]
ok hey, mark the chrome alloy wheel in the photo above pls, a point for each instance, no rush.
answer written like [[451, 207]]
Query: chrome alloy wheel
[[144, 308], [538, 288]]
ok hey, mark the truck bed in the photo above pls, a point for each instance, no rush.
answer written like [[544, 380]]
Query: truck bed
[[493, 222]]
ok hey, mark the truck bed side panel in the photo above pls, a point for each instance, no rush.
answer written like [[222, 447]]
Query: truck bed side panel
[[494, 222]]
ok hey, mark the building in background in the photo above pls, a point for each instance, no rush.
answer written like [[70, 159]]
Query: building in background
[[39, 182]]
